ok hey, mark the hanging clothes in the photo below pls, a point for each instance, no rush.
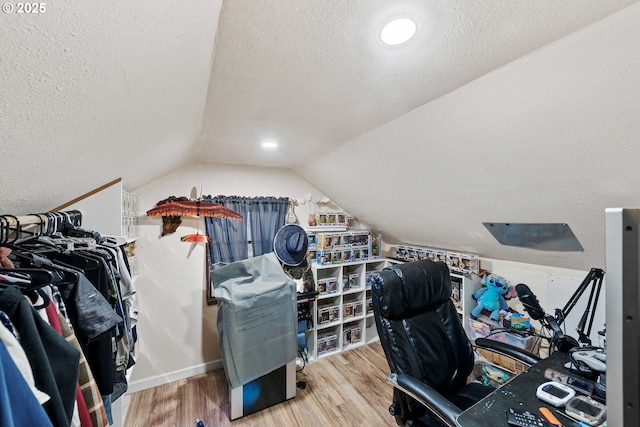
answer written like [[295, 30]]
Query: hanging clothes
[[77, 338], [54, 320], [93, 317], [19, 357], [94, 323], [18, 405], [86, 382], [53, 360]]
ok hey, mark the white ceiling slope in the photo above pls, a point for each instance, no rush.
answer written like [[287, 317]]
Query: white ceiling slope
[[91, 92], [312, 74], [551, 137]]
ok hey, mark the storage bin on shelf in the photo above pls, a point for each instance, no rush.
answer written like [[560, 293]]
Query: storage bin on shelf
[[479, 329], [525, 342]]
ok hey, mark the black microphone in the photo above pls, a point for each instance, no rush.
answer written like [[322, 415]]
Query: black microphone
[[530, 302]]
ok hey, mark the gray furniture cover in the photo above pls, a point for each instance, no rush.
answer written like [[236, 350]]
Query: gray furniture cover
[[257, 317]]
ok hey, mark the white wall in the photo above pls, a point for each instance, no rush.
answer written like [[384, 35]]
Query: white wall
[[102, 211], [532, 275], [177, 330]]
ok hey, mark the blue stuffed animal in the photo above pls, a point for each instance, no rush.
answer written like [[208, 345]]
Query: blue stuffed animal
[[491, 297]]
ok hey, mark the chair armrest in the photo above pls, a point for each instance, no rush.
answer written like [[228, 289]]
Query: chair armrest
[[427, 397], [508, 350]]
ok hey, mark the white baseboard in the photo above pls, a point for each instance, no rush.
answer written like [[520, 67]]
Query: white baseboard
[[169, 377]]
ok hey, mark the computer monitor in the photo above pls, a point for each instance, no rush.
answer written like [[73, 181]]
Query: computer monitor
[[623, 315]]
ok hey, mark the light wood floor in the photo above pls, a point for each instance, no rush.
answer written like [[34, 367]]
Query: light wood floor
[[343, 389]]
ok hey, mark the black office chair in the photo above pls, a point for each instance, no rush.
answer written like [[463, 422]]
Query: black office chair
[[427, 349]]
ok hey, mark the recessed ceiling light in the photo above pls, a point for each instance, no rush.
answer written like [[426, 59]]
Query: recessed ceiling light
[[269, 145], [398, 31]]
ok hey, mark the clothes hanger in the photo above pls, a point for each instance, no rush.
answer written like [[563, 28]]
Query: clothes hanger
[[57, 247], [52, 223], [77, 217], [74, 259], [114, 240], [15, 277], [47, 223], [53, 237], [71, 230], [3, 221], [63, 275], [26, 228], [37, 243], [26, 279], [32, 235], [8, 228], [23, 229]]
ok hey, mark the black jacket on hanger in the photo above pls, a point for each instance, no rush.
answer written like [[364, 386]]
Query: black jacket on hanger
[[99, 351], [54, 362]]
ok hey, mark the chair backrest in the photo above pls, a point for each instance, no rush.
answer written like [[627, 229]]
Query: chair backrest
[[418, 325]]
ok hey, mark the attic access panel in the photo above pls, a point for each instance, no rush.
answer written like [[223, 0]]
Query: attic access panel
[[544, 237]]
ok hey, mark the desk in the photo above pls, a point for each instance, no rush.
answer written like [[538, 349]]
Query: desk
[[519, 393]]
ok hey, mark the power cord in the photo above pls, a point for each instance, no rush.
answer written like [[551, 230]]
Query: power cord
[[303, 357], [302, 384]]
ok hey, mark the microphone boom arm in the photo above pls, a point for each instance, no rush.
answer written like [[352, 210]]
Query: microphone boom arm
[[594, 278]]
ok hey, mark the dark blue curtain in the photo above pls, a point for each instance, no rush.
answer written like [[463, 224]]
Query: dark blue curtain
[[267, 215], [229, 237]]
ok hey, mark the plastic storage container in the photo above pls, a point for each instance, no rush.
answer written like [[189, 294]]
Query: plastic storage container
[[478, 329]]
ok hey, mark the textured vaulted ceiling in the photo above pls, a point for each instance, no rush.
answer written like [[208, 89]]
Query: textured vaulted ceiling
[[94, 91], [313, 75]]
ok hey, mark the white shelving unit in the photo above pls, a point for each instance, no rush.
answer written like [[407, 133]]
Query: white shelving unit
[[129, 216], [464, 286], [342, 318], [463, 268]]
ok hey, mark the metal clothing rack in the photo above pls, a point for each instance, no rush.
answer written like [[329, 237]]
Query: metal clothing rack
[[14, 227]]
